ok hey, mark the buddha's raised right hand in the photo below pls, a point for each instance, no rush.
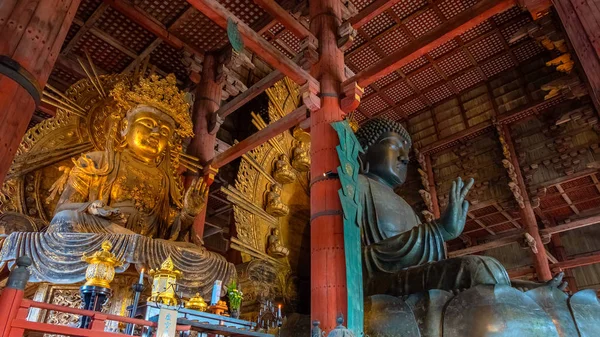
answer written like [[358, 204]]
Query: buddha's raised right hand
[[98, 208]]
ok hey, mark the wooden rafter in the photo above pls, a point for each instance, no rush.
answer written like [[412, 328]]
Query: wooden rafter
[[285, 18], [219, 14], [85, 27], [260, 137], [454, 27], [370, 12], [569, 263]]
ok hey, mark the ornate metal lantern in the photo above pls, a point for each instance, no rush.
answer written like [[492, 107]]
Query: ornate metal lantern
[[164, 283], [101, 269]]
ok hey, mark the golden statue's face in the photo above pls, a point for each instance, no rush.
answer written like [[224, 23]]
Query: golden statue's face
[[148, 135]]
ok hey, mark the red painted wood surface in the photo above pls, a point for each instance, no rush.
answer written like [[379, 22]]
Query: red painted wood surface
[[328, 268], [371, 11], [31, 32], [219, 14], [537, 8], [288, 121], [454, 27], [580, 20], [284, 17], [540, 260], [208, 99]]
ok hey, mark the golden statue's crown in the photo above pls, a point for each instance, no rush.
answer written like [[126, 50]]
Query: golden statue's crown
[[160, 93]]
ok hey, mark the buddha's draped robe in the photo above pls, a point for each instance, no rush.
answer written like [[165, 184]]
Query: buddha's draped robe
[[401, 255]]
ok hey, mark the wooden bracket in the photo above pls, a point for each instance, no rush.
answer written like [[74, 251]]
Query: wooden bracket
[[209, 174], [309, 91], [346, 35], [348, 9], [308, 54], [352, 95], [193, 62]]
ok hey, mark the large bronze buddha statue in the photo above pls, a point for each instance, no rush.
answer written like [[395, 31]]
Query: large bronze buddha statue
[[130, 187], [398, 248]]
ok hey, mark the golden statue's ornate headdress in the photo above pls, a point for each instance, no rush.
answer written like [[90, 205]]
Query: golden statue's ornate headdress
[[159, 93]]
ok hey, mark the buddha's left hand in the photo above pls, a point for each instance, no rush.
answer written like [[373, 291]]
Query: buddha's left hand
[[195, 197], [454, 217]]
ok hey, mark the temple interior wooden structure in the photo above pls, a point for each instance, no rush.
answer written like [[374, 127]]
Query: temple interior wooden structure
[[506, 92]]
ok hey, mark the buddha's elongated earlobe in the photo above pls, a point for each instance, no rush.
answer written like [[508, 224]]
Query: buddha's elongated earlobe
[[364, 164]]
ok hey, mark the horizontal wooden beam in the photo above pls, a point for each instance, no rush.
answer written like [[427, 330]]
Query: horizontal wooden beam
[[285, 18], [586, 260], [370, 12], [454, 27], [288, 121], [255, 90], [155, 28], [219, 14], [575, 224]]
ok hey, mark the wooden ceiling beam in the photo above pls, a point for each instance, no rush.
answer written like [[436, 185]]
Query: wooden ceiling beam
[[285, 18], [219, 14], [85, 27], [370, 12], [454, 27], [581, 261], [160, 31], [288, 121]]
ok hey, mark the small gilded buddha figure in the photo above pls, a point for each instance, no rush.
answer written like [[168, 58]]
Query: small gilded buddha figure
[[283, 172], [402, 255], [301, 158], [275, 206], [276, 248], [132, 186]]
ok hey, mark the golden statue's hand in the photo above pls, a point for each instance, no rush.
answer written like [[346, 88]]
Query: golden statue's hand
[[98, 208], [195, 197]]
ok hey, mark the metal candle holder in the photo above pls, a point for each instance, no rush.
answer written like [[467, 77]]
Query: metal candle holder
[[137, 288]]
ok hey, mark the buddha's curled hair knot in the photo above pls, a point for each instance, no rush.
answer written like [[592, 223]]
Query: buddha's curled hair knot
[[371, 130]]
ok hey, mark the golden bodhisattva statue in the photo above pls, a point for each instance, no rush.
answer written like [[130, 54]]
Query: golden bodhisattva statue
[[131, 186], [283, 172], [276, 248], [275, 206], [301, 159]]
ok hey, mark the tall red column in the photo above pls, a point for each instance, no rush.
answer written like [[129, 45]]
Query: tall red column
[[328, 270], [540, 260], [31, 34], [208, 99]]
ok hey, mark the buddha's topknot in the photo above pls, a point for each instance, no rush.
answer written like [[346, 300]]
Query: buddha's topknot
[[371, 130]]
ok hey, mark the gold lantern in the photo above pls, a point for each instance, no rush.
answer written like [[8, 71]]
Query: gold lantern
[[164, 283], [101, 269], [196, 303]]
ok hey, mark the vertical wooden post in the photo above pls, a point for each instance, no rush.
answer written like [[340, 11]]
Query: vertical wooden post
[[328, 269], [208, 100], [31, 34], [12, 295], [540, 259], [580, 20], [432, 190]]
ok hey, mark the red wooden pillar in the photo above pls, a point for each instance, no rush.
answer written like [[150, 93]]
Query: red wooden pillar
[[328, 270], [540, 260], [31, 34], [580, 19], [208, 100]]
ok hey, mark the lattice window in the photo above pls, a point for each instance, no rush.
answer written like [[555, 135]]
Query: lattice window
[[200, 31], [497, 65], [444, 49], [527, 51], [392, 41], [413, 106], [276, 29], [389, 78], [369, 90], [290, 40], [103, 54], [405, 8], [487, 47], [363, 58], [358, 41], [399, 91], [507, 15], [438, 94], [477, 31], [372, 106], [450, 8], [361, 4], [414, 65], [424, 23], [378, 24], [124, 30], [426, 78], [168, 59], [86, 9], [454, 63], [245, 10], [508, 31], [467, 80], [164, 11]]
